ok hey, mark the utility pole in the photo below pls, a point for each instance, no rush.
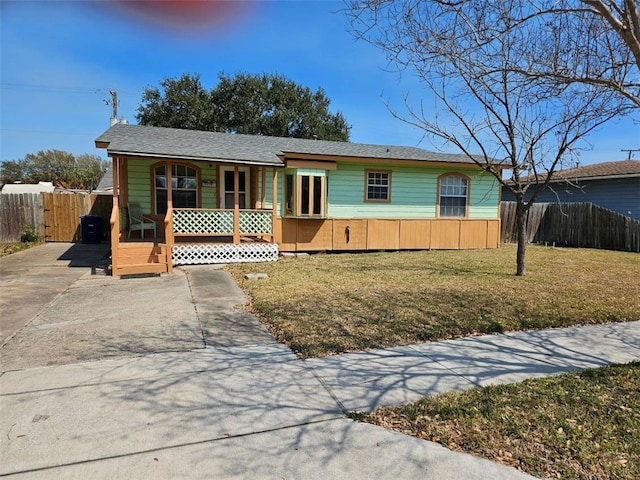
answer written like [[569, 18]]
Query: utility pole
[[114, 103], [630, 152]]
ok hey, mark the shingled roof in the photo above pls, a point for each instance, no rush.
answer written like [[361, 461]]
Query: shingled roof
[[139, 140], [600, 171]]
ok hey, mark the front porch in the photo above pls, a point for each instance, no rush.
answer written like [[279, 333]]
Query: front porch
[[184, 235], [194, 237]]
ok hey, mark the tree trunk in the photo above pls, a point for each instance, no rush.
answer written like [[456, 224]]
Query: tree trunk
[[521, 227]]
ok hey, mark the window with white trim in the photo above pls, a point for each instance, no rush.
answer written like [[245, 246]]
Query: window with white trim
[[378, 187], [453, 196]]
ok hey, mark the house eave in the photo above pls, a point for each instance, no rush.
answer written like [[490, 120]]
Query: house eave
[[601, 177], [294, 156], [187, 158]]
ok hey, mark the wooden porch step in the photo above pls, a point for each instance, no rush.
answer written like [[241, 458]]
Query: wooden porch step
[[126, 259], [140, 258], [138, 269], [141, 248]]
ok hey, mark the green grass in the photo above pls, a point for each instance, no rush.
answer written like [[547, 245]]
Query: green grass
[[328, 304], [9, 248], [573, 426]]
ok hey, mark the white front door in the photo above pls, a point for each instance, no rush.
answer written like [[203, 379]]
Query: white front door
[[227, 184]]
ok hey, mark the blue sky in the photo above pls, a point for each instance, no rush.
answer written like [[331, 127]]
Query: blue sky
[[61, 58]]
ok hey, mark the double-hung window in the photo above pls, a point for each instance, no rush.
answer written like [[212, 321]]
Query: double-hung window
[[453, 195], [378, 186]]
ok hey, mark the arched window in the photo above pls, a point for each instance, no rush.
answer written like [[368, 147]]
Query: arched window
[[184, 187], [453, 195]]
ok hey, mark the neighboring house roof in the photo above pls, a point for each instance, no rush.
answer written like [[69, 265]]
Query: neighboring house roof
[[143, 141], [597, 171], [46, 187], [106, 182]]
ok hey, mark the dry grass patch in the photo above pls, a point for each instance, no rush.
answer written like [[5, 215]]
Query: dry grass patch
[[9, 248], [573, 426], [328, 304]]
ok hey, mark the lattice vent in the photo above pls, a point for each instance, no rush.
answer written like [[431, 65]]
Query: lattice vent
[[202, 254]]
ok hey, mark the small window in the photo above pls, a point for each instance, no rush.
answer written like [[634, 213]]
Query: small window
[[453, 196], [289, 204], [378, 188]]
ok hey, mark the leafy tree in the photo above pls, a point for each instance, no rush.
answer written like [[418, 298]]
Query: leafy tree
[[504, 78], [182, 103], [251, 104], [273, 105], [57, 166]]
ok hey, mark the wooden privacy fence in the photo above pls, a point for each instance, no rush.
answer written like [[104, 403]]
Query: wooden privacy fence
[[20, 212], [55, 217], [582, 225]]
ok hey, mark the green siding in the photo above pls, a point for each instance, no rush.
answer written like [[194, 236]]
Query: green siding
[[208, 175], [413, 192], [269, 187], [484, 198], [139, 175]]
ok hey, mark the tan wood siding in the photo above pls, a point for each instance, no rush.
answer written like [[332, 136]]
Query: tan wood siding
[[314, 235], [493, 233], [445, 234], [473, 234], [349, 234], [383, 234], [415, 234], [288, 234]]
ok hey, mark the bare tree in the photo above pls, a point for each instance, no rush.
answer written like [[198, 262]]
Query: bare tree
[[482, 61], [601, 44]]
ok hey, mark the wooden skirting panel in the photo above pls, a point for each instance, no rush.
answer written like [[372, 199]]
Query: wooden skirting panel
[[294, 234]]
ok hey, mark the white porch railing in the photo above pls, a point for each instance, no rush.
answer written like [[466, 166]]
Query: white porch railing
[[221, 222]]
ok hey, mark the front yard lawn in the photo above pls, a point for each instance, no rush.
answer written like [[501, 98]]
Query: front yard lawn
[[328, 304], [579, 425]]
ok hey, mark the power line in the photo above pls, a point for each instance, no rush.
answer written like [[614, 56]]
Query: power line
[[62, 89]]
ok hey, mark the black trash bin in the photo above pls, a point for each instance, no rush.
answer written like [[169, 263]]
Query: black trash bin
[[91, 228]]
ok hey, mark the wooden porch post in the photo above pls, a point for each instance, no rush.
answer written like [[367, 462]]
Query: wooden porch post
[[169, 218], [115, 217], [236, 205], [169, 188], [274, 212], [264, 187]]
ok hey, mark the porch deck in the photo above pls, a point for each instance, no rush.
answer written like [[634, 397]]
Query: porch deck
[[195, 237]]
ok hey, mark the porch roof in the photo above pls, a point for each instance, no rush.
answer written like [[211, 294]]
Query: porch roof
[[145, 141]]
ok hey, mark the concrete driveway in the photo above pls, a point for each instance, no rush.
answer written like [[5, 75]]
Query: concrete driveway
[[60, 307], [161, 377]]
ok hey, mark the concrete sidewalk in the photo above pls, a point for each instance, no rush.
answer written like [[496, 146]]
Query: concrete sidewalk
[[368, 380], [231, 413], [181, 384]]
